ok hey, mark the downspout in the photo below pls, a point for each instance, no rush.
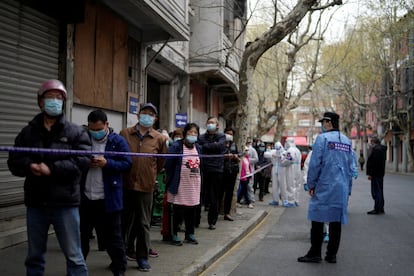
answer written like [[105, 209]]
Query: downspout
[[145, 74]]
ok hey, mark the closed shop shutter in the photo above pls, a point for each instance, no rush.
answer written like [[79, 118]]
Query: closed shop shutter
[[29, 46]]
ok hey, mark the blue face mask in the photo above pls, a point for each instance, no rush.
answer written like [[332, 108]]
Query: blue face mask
[[177, 138], [146, 120], [98, 135], [191, 139], [53, 107], [211, 127], [323, 129]]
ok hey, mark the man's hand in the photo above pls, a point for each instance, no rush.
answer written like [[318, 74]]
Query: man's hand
[[312, 192], [98, 162], [39, 169]]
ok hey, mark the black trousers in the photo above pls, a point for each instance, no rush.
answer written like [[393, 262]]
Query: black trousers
[[183, 213], [317, 239], [229, 181], [108, 230], [213, 183]]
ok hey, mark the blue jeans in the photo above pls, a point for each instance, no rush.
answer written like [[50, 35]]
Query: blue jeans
[[65, 221]]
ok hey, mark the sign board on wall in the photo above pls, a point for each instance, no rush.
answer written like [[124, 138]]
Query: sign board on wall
[[133, 103], [180, 119]]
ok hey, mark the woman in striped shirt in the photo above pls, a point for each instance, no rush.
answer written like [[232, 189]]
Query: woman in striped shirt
[[184, 182]]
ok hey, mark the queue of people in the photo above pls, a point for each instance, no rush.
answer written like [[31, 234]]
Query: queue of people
[[113, 194]]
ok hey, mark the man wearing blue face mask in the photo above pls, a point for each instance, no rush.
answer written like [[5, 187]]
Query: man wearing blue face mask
[[139, 184], [102, 197], [212, 142], [52, 184]]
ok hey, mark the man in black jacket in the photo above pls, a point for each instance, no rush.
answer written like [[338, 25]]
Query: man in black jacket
[[52, 184], [212, 142], [376, 172]]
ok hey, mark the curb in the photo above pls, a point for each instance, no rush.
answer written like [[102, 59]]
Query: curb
[[213, 254]]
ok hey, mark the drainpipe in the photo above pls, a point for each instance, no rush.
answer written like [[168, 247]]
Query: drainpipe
[[145, 73]]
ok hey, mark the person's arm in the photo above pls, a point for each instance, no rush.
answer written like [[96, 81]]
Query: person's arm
[[119, 163], [19, 162]]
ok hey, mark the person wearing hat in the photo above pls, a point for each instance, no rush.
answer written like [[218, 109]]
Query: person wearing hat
[[375, 172], [331, 168], [139, 184], [52, 184]]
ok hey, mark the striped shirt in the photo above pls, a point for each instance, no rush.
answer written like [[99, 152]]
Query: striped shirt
[[190, 181]]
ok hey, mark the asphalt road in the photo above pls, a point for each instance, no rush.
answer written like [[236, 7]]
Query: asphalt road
[[371, 244]]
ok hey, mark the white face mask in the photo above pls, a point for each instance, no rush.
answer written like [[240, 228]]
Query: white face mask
[[229, 138], [211, 127]]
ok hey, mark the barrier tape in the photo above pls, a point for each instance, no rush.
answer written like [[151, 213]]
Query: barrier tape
[[112, 153], [109, 153]]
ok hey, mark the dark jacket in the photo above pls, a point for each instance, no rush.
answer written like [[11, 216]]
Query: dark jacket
[[173, 166], [231, 166], [113, 172], [213, 144], [62, 187], [376, 161]]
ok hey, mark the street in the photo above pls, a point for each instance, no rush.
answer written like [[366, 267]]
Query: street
[[370, 245]]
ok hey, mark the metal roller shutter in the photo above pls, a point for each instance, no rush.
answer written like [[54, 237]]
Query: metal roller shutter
[[29, 46]]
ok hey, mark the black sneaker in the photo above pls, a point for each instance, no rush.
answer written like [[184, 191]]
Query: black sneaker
[[191, 239], [309, 259], [331, 259]]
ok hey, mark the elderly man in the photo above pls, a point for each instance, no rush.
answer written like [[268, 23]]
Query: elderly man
[[329, 179], [52, 184], [139, 183]]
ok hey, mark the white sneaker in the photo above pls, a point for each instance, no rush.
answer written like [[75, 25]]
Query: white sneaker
[[251, 206], [238, 205]]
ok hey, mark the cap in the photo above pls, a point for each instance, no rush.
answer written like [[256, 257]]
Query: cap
[[149, 105], [330, 116], [51, 85]]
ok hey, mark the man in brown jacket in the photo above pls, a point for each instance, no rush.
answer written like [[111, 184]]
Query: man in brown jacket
[[139, 184]]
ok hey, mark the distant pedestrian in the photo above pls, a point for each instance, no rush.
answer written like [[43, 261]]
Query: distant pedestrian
[[245, 176], [361, 161], [277, 156], [184, 183], [293, 173], [329, 179], [376, 171], [52, 184], [101, 198]]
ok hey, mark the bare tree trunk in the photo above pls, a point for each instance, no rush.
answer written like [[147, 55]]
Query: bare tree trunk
[[253, 53]]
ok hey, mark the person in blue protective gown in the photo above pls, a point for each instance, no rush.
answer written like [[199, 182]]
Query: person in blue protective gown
[[329, 178]]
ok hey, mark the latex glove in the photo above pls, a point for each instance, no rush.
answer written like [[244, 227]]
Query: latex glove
[[306, 187]]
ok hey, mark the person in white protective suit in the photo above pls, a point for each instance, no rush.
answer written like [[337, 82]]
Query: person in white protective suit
[[293, 173], [278, 174]]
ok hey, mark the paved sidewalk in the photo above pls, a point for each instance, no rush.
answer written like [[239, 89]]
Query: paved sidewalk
[[173, 260]]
